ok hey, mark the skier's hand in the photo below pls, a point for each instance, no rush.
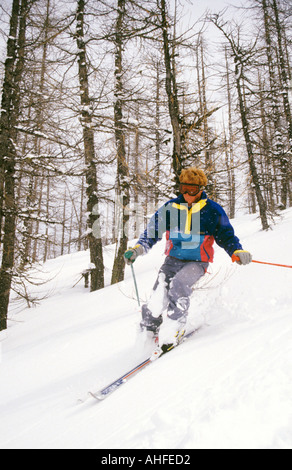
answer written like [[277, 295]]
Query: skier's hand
[[242, 257], [132, 253]]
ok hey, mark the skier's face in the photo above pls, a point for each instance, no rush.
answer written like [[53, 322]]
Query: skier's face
[[192, 199], [191, 192]]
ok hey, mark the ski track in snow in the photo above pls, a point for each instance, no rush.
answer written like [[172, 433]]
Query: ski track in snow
[[228, 386]]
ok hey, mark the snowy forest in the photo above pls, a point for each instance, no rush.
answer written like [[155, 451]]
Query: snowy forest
[[104, 102]]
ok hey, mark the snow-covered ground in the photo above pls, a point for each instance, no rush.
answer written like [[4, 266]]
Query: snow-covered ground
[[229, 386]]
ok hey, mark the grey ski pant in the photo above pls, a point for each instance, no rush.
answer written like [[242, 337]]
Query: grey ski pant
[[178, 277]]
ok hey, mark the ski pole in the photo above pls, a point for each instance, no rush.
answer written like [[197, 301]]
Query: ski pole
[[236, 258], [135, 283]]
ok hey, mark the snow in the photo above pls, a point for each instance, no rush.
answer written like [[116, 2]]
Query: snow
[[228, 386]]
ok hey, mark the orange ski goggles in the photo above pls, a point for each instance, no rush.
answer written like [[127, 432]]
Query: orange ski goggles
[[191, 189]]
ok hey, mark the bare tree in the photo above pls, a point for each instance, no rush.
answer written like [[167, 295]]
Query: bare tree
[[242, 57], [230, 148], [287, 109], [171, 90], [94, 235], [8, 146], [123, 194], [280, 151]]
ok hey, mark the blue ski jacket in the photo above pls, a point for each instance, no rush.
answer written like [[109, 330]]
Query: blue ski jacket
[[191, 231]]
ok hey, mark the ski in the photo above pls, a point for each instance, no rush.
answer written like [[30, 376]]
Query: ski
[[157, 353], [103, 393]]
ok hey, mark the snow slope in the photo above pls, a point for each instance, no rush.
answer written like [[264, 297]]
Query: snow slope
[[229, 386]]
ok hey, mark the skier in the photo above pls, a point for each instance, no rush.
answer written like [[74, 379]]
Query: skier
[[191, 222]]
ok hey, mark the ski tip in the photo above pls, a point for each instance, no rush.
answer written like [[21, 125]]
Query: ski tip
[[97, 396]]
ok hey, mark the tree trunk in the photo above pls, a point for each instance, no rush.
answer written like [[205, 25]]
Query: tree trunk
[[47, 240], [239, 74], [287, 110], [209, 166], [9, 118], [123, 194], [230, 150], [31, 199], [276, 109], [171, 90], [6, 105], [94, 236], [157, 138], [249, 148], [265, 151]]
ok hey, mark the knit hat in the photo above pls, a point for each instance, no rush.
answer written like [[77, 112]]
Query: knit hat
[[193, 176]]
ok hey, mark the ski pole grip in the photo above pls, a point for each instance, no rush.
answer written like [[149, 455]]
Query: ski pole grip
[[234, 258]]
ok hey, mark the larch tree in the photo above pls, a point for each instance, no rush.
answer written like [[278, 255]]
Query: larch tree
[[94, 231], [122, 180], [242, 56], [8, 147]]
